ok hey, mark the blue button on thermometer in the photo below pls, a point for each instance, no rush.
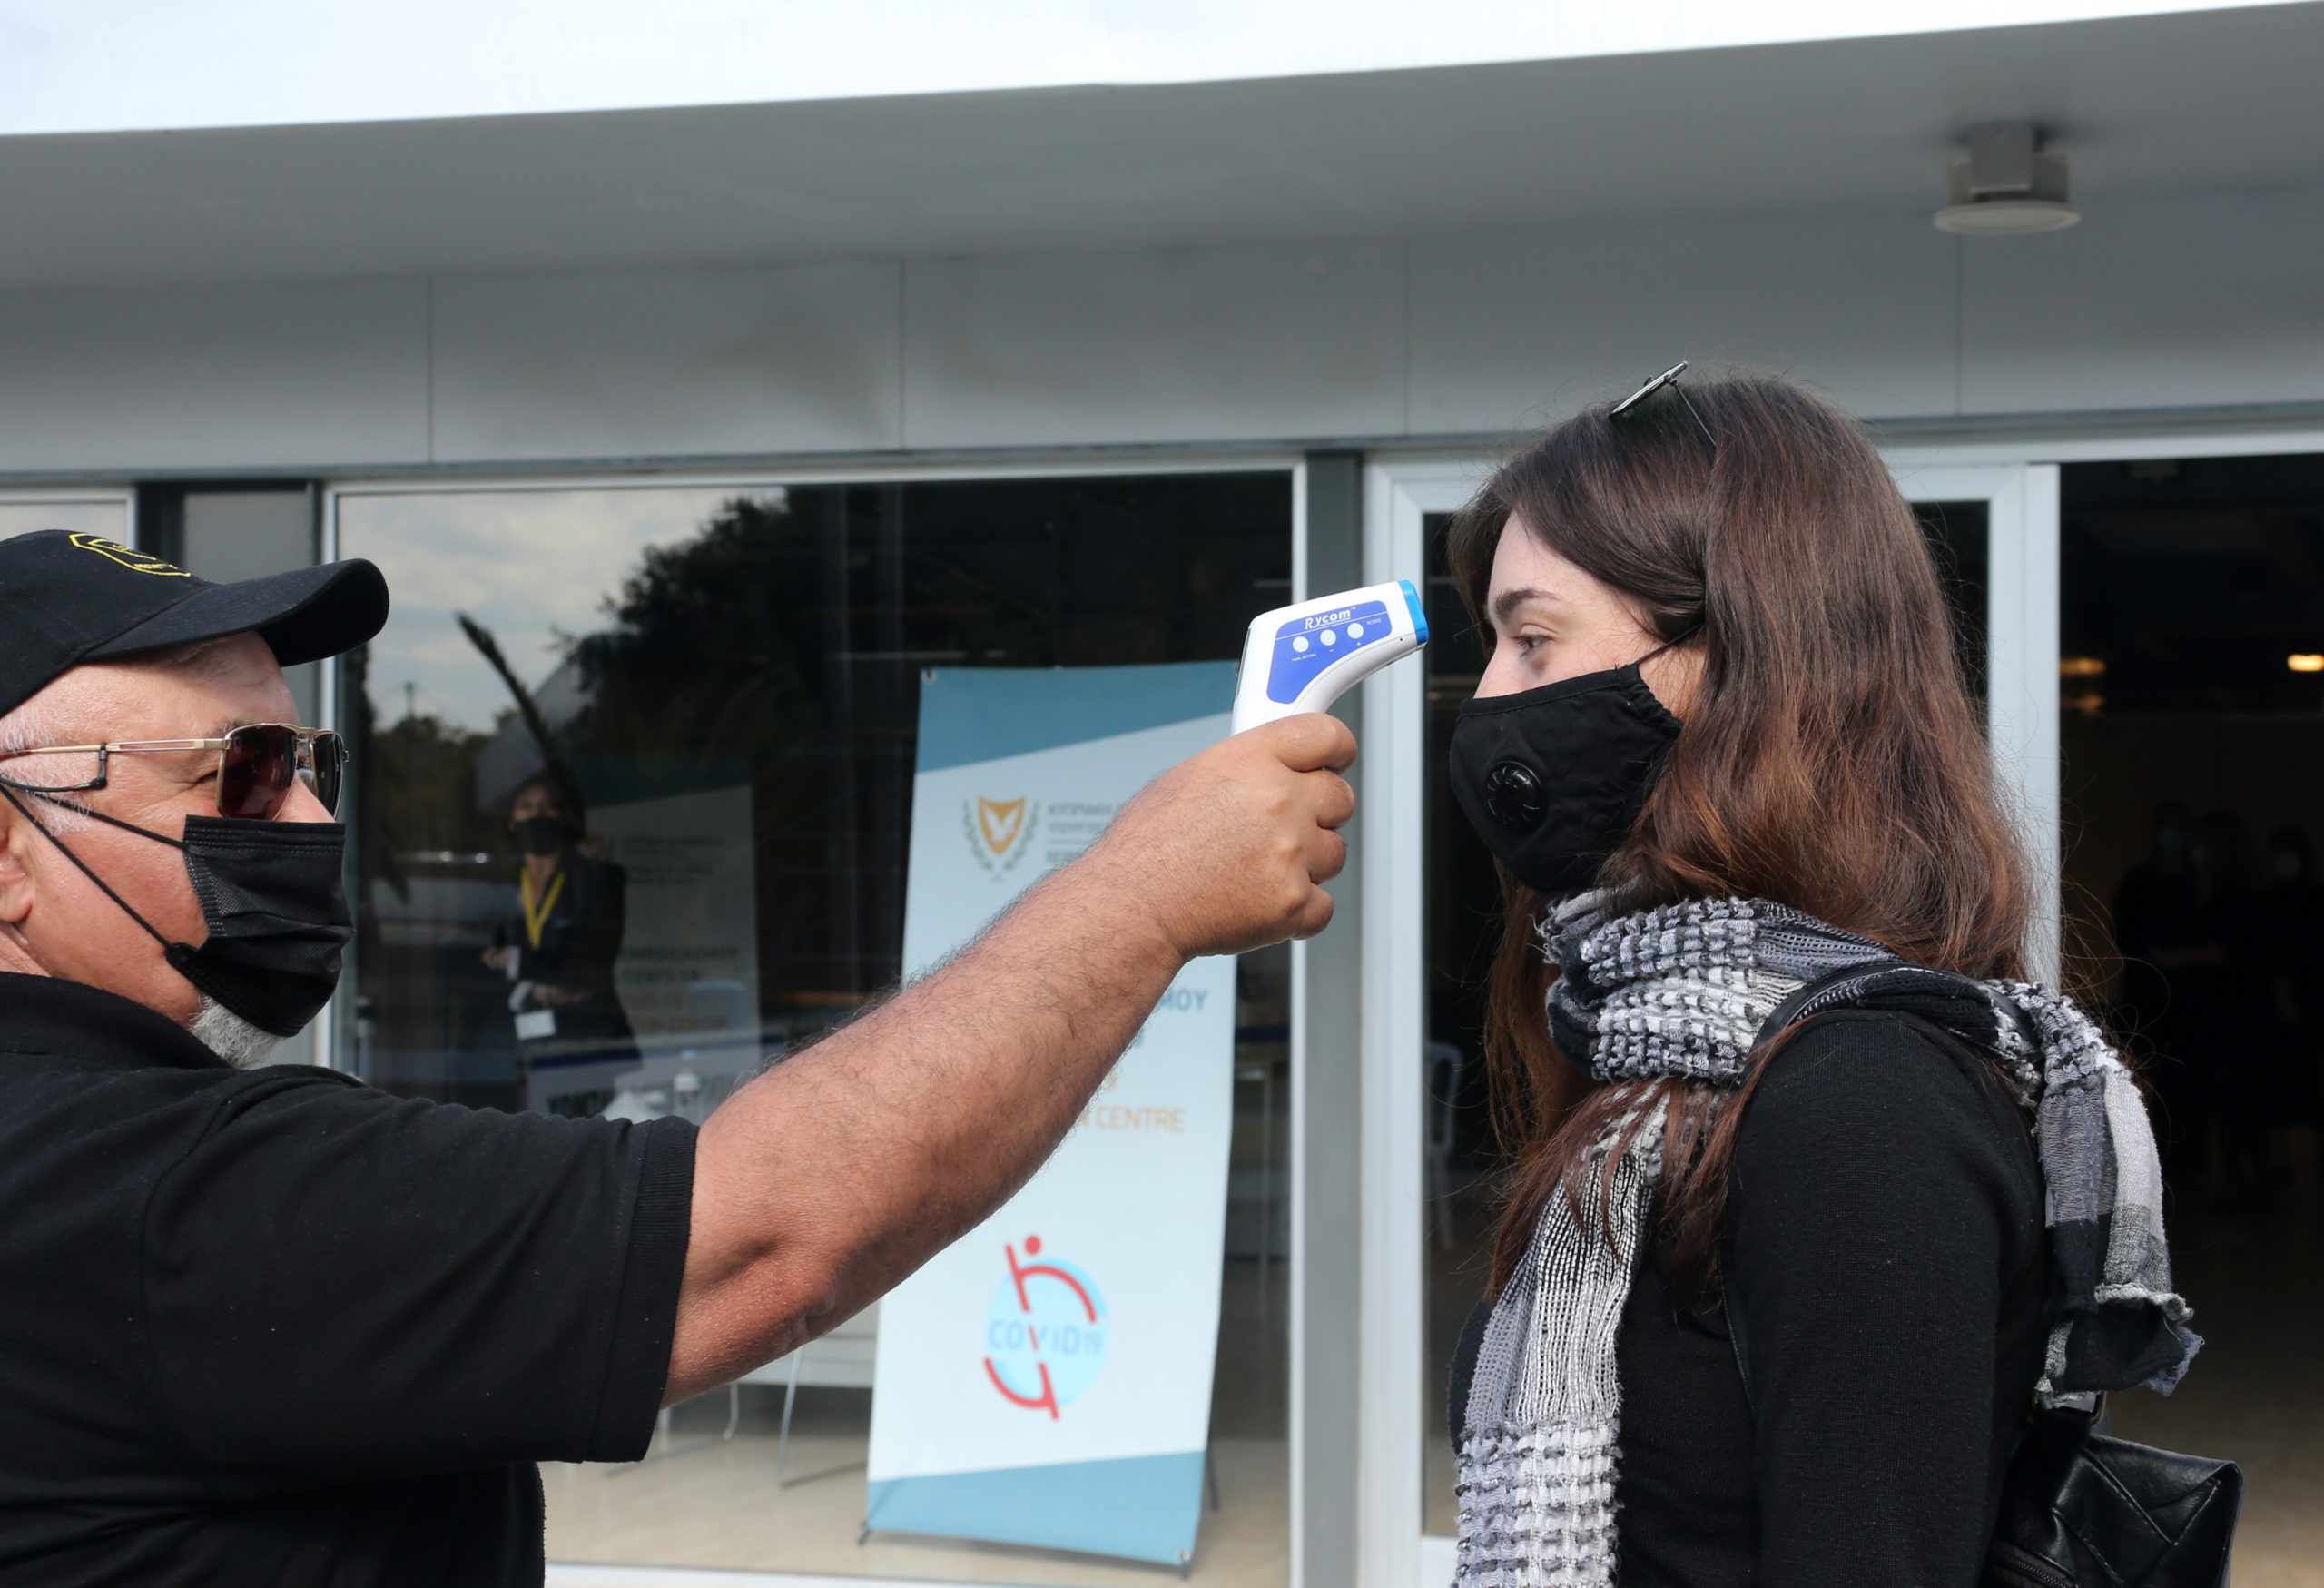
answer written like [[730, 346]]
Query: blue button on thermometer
[[1303, 657]]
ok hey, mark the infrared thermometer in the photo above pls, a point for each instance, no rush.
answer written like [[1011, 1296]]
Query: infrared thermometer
[[1303, 657]]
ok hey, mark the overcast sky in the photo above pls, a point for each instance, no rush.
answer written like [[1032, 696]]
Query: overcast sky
[[99, 65]]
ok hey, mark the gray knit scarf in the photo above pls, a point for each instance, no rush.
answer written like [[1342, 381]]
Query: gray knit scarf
[[1686, 990]]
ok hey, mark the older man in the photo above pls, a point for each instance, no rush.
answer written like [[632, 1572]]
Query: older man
[[266, 1325]]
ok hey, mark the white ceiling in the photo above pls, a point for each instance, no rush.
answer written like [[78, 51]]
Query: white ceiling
[[2145, 105]]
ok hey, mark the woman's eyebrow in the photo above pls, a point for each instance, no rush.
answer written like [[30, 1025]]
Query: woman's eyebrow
[[1508, 601]]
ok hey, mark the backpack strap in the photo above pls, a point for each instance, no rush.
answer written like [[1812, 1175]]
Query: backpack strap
[[1853, 987], [1737, 1331]]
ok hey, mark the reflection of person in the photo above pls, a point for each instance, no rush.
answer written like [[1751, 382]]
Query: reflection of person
[[560, 946], [1773, 1284], [271, 1326], [2162, 934]]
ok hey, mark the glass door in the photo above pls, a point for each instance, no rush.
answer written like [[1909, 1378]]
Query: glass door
[[2010, 513], [1418, 896], [2192, 685]]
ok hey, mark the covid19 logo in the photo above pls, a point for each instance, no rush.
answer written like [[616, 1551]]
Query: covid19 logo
[[1045, 1332]]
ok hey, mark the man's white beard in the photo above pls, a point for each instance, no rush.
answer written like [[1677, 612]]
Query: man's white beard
[[233, 1038]]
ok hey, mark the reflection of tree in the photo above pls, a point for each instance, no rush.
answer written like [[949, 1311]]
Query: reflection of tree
[[420, 792], [718, 646], [703, 657], [422, 992], [569, 787], [786, 633]]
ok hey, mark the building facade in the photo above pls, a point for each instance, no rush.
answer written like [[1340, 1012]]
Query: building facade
[[695, 433]]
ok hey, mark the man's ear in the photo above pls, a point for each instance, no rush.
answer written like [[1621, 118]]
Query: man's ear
[[17, 886]]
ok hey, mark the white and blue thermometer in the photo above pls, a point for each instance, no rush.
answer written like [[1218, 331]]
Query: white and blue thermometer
[[1303, 657]]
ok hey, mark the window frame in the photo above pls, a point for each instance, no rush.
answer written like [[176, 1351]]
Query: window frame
[[1109, 465], [80, 495]]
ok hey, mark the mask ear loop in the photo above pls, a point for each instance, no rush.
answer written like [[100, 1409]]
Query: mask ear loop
[[9, 789], [1671, 644]]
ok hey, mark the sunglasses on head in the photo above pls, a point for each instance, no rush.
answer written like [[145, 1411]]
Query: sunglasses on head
[[1666, 381], [258, 763]]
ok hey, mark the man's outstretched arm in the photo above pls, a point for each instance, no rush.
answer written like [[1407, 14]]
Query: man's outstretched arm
[[828, 1179]]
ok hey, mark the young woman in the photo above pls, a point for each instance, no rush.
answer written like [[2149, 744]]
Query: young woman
[[1774, 1280]]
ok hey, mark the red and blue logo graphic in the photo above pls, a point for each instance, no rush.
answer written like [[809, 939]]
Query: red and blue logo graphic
[[1045, 1332]]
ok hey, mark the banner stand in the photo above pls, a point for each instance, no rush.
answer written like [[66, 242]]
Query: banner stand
[[1046, 1380]]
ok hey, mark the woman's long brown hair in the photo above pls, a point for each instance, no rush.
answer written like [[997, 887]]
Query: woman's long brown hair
[[1831, 759]]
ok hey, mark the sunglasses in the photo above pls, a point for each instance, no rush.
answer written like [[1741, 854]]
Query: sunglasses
[[257, 765], [1668, 381]]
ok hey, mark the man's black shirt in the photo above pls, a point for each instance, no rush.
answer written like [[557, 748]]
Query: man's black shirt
[[275, 1326]]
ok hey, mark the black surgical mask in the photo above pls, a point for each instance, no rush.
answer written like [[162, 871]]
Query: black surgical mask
[[540, 834], [272, 896], [1552, 778]]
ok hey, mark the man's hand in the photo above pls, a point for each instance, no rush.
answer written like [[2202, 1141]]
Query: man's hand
[[1228, 850], [830, 1179]]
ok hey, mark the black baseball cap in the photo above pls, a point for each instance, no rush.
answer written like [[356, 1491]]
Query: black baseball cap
[[68, 599]]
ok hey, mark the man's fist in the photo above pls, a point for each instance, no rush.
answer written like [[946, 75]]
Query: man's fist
[[1228, 850]]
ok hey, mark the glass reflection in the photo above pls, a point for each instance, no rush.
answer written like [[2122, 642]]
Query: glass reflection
[[634, 779]]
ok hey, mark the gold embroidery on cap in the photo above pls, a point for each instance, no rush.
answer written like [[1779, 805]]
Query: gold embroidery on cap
[[136, 561]]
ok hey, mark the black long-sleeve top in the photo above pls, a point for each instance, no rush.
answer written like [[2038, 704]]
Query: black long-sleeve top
[[1887, 1250]]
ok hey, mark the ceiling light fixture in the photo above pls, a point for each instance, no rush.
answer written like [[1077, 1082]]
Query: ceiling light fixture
[[2305, 662], [2006, 184]]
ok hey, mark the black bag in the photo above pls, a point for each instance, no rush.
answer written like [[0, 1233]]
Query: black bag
[[2082, 1510], [2085, 1510]]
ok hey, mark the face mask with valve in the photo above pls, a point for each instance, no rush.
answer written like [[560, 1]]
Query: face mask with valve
[[1553, 778]]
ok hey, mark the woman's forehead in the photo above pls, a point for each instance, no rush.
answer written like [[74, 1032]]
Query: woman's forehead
[[1524, 566], [1528, 575]]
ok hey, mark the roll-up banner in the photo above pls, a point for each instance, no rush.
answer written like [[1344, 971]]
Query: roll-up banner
[[1046, 1380]]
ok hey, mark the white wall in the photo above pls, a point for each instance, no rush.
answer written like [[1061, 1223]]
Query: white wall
[[1508, 329], [235, 377], [2190, 301], [803, 360], [2200, 301], [1166, 345]]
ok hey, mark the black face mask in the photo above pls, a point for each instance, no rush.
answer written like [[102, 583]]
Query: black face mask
[[540, 834], [272, 896], [1552, 778]]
